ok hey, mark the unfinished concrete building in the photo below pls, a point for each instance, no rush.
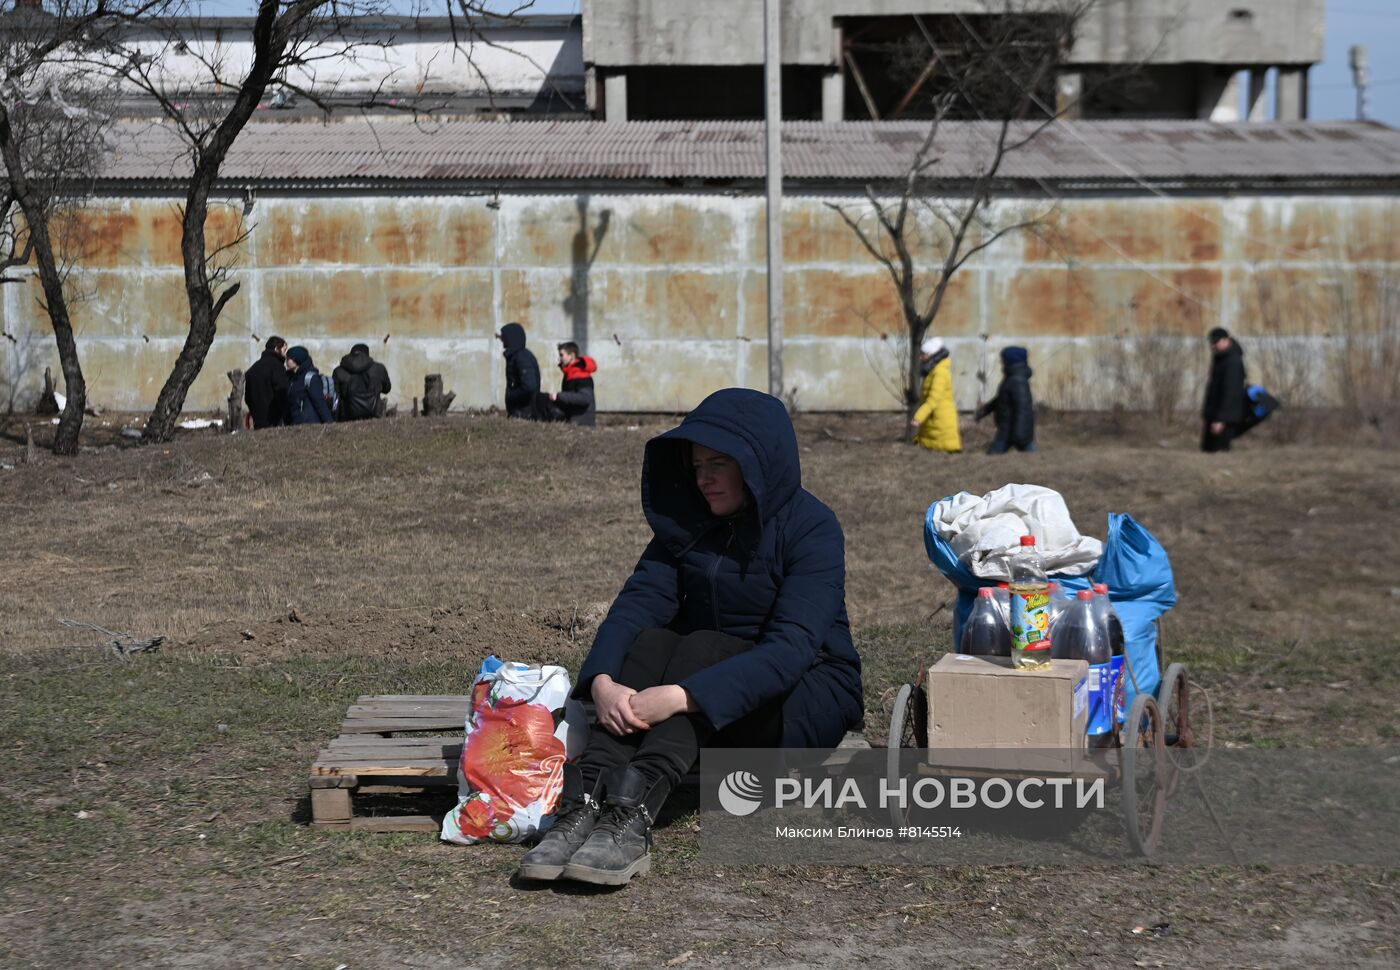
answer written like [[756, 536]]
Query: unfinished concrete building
[[857, 60]]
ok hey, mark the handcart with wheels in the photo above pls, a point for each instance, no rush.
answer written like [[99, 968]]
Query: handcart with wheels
[[1155, 743]]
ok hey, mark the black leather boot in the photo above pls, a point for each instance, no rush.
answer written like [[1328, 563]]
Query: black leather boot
[[574, 820], [620, 846]]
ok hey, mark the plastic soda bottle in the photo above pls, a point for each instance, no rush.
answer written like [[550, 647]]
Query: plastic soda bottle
[[1030, 609], [1059, 602], [1082, 634], [1104, 606], [1002, 595], [985, 634]]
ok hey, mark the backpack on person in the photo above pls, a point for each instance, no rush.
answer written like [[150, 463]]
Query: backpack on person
[[361, 399], [327, 390]]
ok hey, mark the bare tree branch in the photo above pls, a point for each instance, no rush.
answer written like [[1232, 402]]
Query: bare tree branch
[[1009, 58]]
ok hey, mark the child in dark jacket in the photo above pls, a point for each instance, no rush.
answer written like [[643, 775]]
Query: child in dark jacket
[[306, 394], [1012, 409], [731, 630]]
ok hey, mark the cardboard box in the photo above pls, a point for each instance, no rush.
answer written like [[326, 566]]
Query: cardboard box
[[984, 702]]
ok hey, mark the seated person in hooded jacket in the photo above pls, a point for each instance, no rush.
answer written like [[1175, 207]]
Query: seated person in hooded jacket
[[731, 630]]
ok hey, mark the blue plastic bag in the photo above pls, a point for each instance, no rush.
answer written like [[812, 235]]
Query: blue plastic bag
[[1134, 566]]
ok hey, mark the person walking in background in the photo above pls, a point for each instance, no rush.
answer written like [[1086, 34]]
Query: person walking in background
[[937, 417], [575, 402], [265, 386], [360, 383], [310, 397], [1223, 414], [522, 373], [1012, 409]]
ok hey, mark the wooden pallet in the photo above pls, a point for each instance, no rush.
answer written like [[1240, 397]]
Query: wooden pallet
[[387, 747]]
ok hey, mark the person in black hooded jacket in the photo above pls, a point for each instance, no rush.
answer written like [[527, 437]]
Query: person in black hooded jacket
[[522, 373], [732, 629], [1223, 413], [360, 382], [1012, 409]]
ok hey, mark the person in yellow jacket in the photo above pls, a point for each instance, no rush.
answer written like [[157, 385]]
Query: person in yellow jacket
[[937, 417]]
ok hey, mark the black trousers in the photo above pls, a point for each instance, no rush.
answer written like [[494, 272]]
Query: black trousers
[[1219, 442], [670, 748]]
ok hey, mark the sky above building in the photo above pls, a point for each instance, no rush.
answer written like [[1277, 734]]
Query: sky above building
[[1375, 23]]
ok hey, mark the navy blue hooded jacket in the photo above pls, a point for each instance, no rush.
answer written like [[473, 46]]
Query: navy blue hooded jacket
[[1013, 409], [774, 574], [522, 373], [306, 396]]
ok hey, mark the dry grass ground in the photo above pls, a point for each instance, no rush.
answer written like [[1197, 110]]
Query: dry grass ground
[[298, 568]]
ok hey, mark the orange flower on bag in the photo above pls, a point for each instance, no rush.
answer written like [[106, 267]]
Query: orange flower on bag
[[512, 752], [478, 818]]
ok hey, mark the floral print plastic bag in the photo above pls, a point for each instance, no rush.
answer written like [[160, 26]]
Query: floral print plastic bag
[[512, 767]]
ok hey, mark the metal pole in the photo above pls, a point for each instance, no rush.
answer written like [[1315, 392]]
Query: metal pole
[[772, 131], [1360, 58]]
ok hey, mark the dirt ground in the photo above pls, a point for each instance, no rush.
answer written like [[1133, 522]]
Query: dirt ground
[[153, 811]]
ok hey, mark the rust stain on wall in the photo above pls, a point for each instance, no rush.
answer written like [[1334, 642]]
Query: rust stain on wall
[[1311, 301], [1321, 230], [535, 299], [675, 232], [1087, 301], [313, 233], [325, 304], [222, 228], [815, 233], [830, 303], [1118, 231], [102, 237], [423, 303]]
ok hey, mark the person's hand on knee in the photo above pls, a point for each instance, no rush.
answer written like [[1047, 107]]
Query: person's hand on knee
[[612, 701], [656, 704]]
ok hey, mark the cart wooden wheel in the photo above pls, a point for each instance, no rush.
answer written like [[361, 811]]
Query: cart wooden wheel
[[1146, 774], [908, 729], [1174, 699]]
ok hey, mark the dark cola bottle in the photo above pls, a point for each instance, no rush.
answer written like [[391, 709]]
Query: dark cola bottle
[[1082, 634], [1104, 607], [985, 634]]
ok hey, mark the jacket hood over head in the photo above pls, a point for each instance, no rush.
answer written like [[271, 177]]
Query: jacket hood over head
[[356, 363], [302, 356], [751, 427], [513, 338], [1231, 351]]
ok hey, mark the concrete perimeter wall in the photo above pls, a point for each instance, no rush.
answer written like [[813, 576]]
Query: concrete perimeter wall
[[666, 291]]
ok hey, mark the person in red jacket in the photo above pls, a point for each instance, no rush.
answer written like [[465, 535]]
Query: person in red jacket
[[575, 402]]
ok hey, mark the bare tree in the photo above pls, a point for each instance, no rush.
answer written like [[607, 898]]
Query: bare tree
[[991, 84], [291, 40], [52, 126]]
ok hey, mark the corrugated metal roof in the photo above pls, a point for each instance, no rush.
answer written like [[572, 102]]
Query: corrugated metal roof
[[401, 149]]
